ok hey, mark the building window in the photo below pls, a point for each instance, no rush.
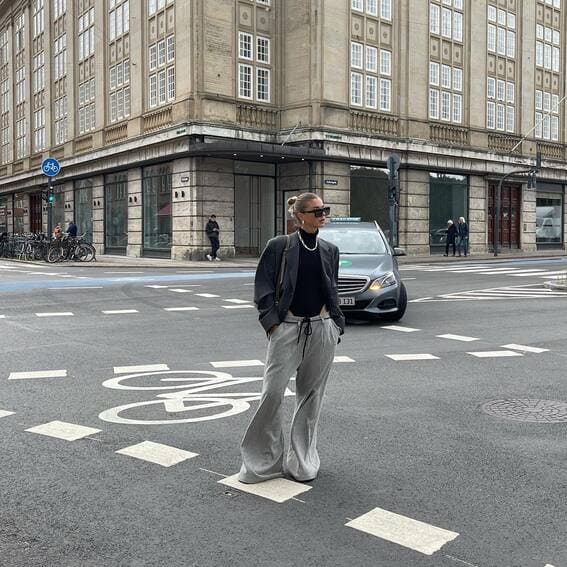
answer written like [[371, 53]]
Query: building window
[[501, 34], [21, 138], [39, 129], [356, 89], [155, 5], [446, 19], [38, 17], [162, 77], [60, 57], [86, 34], [118, 18], [548, 44], [254, 81], [87, 106], [546, 116], [20, 85], [386, 9], [120, 91], [19, 33], [59, 8], [356, 55], [357, 5], [60, 114], [377, 73], [385, 95], [445, 93], [371, 91], [38, 73]]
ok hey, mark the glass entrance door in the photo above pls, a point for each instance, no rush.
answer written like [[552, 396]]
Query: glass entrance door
[[116, 213], [254, 213]]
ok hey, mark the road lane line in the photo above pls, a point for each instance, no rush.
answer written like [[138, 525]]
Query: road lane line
[[237, 306], [462, 338], [63, 430], [278, 489], [120, 311], [157, 453], [239, 301], [62, 314], [181, 309], [524, 348], [123, 272], [236, 363], [401, 329], [179, 290], [76, 287], [495, 353], [207, 295], [38, 374], [157, 286], [403, 357], [404, 531], [140, 368], [5, 413], [2, 316]]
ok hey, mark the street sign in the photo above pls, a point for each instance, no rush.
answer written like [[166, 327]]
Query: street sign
[[50, 167]]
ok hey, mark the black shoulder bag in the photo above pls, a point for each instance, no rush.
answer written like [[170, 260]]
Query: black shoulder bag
[[281, 273]]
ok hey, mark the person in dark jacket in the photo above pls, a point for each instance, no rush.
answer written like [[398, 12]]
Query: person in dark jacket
[[303, 324], [72, 229], [451, 237], [463, 232], [212, 229]]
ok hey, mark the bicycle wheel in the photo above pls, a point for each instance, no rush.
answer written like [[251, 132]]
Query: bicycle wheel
[[85, 252], [54, 254]]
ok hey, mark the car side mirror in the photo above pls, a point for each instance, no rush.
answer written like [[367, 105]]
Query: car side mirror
[[399, 251]]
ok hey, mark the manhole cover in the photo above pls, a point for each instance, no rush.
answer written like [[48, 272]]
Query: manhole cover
[[536, 411]]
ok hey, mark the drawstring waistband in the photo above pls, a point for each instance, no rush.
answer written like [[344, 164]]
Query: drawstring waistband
[[304, 325]]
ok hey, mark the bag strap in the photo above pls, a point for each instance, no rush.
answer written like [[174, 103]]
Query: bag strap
[[281, 273]]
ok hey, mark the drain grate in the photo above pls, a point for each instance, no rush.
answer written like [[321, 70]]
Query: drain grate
[[535, 411]]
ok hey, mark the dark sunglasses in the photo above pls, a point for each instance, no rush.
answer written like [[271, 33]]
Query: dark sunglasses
[[318, 213]]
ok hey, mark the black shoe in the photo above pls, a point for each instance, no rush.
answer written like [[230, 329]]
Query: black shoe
[[445, 254]]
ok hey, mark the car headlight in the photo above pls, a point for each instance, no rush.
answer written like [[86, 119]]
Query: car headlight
[[386, 280]]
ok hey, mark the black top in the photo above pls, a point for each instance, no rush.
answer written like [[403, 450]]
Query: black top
[[309, 296], [451, 234], [210, 228]]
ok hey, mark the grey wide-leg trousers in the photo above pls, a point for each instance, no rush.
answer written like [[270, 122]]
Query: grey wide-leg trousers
[[308, 348]]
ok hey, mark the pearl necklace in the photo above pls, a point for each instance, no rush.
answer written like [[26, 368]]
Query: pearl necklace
[[305, 245]]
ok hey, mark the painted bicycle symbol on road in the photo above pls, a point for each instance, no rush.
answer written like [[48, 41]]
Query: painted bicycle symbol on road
[[199, 395]]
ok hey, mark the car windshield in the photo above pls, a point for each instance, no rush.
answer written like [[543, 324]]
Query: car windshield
[[355, 240]]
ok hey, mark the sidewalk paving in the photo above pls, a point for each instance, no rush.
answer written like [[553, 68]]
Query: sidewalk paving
[[250, 263]]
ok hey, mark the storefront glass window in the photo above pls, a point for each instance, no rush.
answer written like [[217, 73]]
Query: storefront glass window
[[448, 199], [157, 184], [84, 208], [116, 213], [19, 213], [3, 214], [549, 215], [369, 195]]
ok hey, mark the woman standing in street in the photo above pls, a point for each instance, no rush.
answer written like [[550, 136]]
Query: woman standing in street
[[463, 232], [451, 237], [296, 294]]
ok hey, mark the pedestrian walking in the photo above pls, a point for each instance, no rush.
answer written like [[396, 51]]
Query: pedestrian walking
[[463, 233], [451, 237], [295, 291], [213, 232]]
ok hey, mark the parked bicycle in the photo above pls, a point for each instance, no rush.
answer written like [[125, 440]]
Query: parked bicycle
[[70, 248]]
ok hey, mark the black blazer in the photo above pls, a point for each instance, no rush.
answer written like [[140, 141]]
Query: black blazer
[[267, 274]]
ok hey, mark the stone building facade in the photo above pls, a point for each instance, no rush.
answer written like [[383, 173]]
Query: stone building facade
[[162, 112]]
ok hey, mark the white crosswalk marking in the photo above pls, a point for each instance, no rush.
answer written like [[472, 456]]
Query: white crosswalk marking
[[38, 374], [62, 430], [62, 314], [495, 354], [278, 489], [404, 531], [120, 311], [157, 453], [207, 295], [140, 368], [5, 413], [457, 338], [343, 359], [180, 290], [400, 329], [181, 309], [236, 363], [239, 301], [524, 348], [237, 306], [404, 357]]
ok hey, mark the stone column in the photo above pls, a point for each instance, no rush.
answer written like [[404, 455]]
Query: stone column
[[69, 204], [528, 220], [414, 211], [26, 207], [134, 247], [477, 221], [98, 213], [184, 209], [333, 184]]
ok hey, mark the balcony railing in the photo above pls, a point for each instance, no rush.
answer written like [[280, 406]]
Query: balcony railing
[[374, 123], [449, 134]]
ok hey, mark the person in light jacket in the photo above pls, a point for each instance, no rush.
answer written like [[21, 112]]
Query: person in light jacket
[[303, 327], [463, 233]]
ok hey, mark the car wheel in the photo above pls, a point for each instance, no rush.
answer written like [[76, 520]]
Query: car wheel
[[402, 305]]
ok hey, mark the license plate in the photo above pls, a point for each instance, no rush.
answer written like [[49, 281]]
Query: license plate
[[344, 301]]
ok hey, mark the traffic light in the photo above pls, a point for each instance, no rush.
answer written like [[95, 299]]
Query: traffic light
[[50, 195]]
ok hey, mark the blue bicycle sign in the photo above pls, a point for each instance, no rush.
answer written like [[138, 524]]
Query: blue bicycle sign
[[50, 167]]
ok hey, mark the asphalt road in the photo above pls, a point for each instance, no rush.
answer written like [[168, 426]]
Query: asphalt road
[[473, 444]]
